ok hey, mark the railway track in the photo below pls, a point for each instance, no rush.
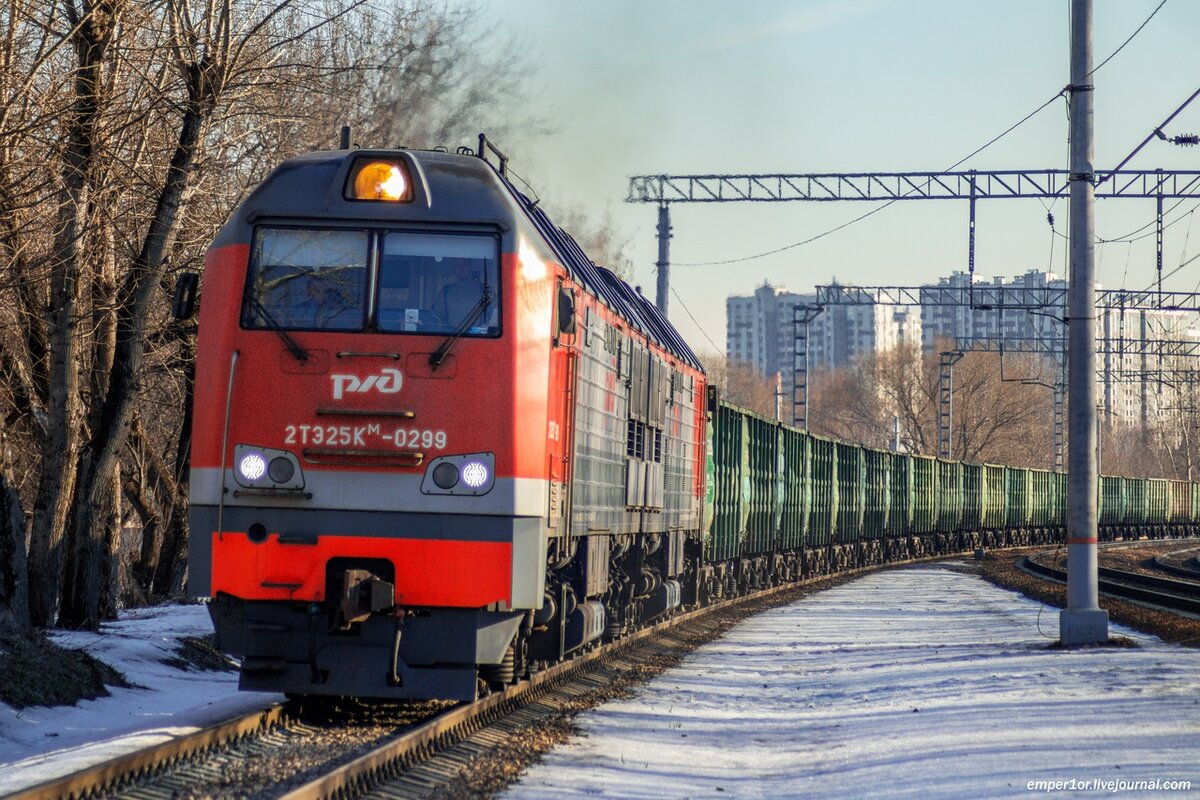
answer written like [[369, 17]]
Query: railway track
[[407, 759], [1188, 569], [1168, 593], [403, 760], [248, 756]]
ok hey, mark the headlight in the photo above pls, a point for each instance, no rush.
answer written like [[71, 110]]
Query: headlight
[[265, 468], [473, 474], [384, 180], [251, 466]]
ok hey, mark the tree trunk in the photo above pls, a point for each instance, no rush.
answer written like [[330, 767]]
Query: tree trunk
[[171, 574], [14, 579], [14, 582], [113, 422], [60, 444]]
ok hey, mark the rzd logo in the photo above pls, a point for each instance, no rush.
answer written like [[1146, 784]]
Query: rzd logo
[[388, 381]]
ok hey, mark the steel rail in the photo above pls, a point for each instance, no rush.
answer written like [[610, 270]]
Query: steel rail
[[1146, 589], [442, 731], [89, 780], [1183, 571]]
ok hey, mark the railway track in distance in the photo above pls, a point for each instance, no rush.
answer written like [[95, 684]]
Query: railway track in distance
[[1168, 593], [1190, 569]]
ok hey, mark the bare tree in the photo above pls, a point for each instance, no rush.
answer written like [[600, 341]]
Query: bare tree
[[1002, 412], [140, 126]]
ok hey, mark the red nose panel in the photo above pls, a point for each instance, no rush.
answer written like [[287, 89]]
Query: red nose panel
[[429, 572]]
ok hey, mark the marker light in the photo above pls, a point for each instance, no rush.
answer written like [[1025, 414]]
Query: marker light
[[252, 466], [475, 474], [445, 475], [381, 180], [280, 469]]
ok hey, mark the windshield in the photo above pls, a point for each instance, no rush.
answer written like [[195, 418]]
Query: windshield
[[432, 283], [304, 279], [307, 279]]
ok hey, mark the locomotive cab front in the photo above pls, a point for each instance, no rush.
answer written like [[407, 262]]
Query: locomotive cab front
[[374, 429]]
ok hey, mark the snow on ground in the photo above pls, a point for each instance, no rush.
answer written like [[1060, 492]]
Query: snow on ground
[[922, 682], [39, 743], [917, 682]]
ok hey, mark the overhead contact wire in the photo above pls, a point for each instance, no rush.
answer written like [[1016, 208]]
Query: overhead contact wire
[[969, 156]]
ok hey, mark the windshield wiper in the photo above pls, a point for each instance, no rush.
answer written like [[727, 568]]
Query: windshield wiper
[[437, 357], [296, 350]]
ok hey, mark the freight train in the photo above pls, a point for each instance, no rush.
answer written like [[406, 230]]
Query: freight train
[[435, 447]]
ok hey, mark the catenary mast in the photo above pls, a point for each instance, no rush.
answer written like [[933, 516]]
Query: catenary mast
[[1082, 621]]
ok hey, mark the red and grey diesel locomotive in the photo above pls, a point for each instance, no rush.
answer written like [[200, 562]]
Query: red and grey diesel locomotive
[[434, 444]]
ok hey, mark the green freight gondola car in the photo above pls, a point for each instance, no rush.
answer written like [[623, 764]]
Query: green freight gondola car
[[1112, 501], [1180, 502], [732, 501], [1060, 500], [1157, 502], [797, 488], [1018, 489], [851, 484], [972, 483], [900, 520], [1136, 501], [1195, 518], [763, 460], [823, 517], [879, 493], [1043, 498], [924, 493], [995, 498], [950, 498]]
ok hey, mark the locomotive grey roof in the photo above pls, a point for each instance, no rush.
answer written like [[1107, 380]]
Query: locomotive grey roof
[[616, 293]]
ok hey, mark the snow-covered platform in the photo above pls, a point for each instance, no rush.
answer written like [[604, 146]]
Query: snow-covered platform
[[921, 682]]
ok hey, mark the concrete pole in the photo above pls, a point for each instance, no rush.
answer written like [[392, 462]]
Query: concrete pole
[[1082, 622], [664, 258]]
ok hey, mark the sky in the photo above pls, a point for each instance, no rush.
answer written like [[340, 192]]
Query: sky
[[630, 87]]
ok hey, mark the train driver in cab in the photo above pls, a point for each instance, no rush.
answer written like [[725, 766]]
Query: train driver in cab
[[459, 297]]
